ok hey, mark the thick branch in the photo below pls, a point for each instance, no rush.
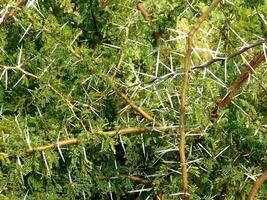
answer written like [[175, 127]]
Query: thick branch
[[256, 186], [184, 94], [240, 51]]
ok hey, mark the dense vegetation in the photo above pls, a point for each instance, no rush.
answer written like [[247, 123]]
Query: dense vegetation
[[90, 99]]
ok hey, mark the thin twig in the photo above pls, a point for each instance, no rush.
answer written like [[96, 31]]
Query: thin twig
[[140, 110], [122, 51], [145, 13], [256, 186], [240, 51], [69, 104], [140, 180], [135, 178], [184, 94], [156, 80]]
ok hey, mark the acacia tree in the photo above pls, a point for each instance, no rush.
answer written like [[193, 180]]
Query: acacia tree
[[128, 100]]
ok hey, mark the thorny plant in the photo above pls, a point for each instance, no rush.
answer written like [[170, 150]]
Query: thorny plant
[[96, 84]]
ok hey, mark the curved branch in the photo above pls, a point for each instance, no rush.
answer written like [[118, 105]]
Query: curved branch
[[257, 185], [242, 50]]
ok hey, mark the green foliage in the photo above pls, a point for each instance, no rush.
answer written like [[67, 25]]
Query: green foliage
[[77, 56]]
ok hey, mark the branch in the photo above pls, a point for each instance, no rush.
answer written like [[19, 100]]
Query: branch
[[134, 130], [21, 70], [109, 80], [65, 99], [145, 13], [137, 179], [242, 50], [156, 80], [254, 63], [71, 141], [256, 186], [184, 94], [13, 12], [140, 110], [141, 180], [50, 146]]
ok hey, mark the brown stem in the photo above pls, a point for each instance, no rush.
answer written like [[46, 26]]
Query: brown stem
[[242, 50], [13, 12], [254, 63], [184, 94], [141, 180], [137, 179], [145, 13], [135, 107], [155, 80], [182, 117], [256, 186]]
